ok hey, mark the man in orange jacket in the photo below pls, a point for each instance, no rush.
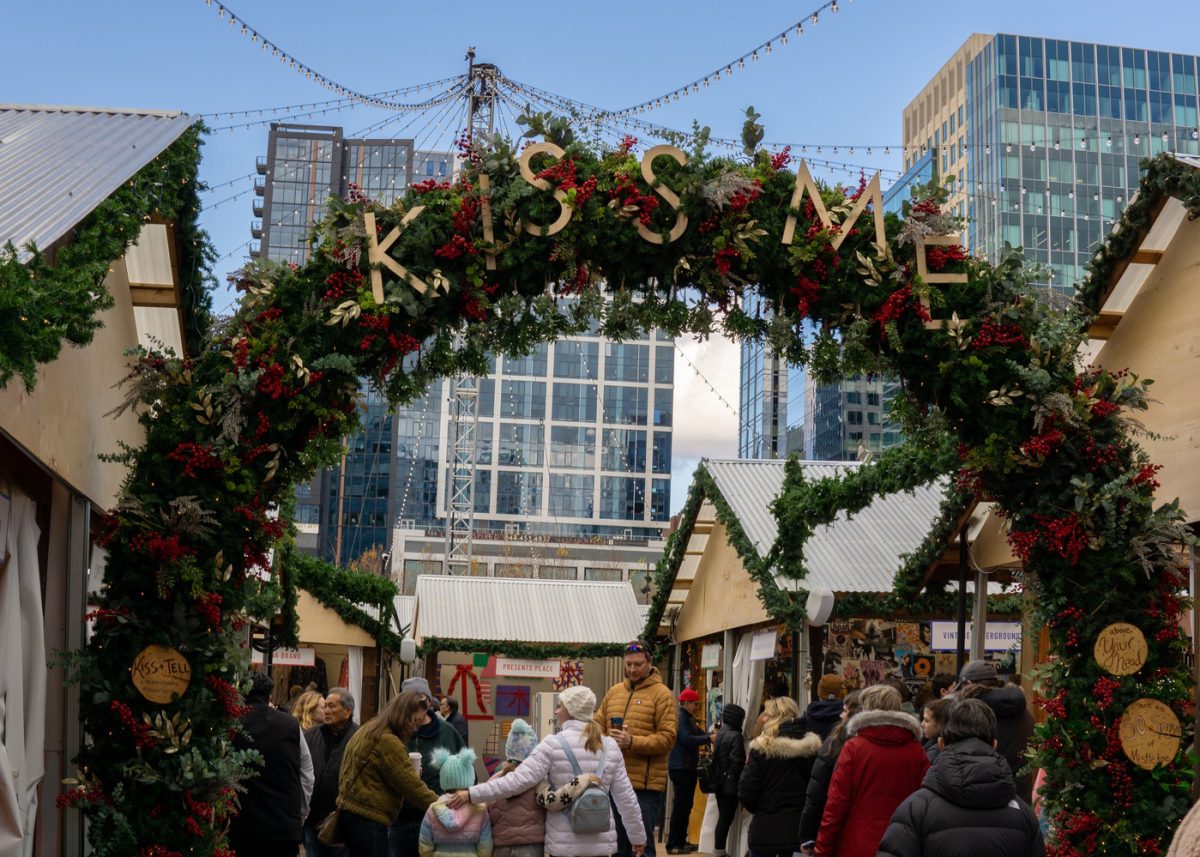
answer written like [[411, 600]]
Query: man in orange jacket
[[639, 714]]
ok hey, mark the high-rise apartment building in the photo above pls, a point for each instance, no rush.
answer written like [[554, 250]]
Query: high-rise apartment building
[[573, 442], [1043, 137]]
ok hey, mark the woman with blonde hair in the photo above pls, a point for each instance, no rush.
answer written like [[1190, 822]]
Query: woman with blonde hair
[[377, 776], [775, 779], [581, 744], [309, 709]]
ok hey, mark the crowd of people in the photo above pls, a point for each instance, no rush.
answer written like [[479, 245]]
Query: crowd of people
[[856, 774]]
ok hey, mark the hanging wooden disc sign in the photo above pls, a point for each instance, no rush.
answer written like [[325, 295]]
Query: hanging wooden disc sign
[[1121, 649], [1150, 733], [160, 672]]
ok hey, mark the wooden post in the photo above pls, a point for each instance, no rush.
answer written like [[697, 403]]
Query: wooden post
[[979, 616], [962, 599]]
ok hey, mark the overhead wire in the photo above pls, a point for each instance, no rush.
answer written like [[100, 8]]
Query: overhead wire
[[287, 108]]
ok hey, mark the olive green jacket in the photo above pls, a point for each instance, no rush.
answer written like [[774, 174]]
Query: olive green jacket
[[388, 780]]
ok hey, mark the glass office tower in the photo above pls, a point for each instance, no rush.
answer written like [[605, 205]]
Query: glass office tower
[[1043, 139]]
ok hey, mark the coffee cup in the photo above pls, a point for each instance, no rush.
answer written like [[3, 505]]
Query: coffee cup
[[416, 760]]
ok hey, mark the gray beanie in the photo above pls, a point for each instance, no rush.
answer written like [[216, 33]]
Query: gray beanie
[[418, 684]]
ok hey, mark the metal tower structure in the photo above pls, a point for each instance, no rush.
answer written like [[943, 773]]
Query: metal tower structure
[[481, 95]]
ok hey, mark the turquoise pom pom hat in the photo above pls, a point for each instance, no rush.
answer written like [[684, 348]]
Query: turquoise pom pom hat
[[521, 741], [457, 771]]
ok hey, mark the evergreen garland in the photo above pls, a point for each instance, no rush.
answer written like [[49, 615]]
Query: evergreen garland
[[231, 428], [346, 591], [52, 299]]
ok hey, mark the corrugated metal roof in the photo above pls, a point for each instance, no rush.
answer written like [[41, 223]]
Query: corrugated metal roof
[[59, 163], [528, 611], [858, 554]]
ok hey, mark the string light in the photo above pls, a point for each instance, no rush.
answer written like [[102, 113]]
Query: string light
[[752, 54]]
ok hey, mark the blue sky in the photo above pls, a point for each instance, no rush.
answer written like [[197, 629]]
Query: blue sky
[[844, 82]]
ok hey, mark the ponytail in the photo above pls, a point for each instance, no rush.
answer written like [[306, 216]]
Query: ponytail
[[593, 737]]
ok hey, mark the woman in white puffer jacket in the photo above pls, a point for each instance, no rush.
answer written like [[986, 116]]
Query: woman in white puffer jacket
[[576, 707]]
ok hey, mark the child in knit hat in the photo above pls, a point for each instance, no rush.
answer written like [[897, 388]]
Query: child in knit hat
[[518, 823], [462, 832]]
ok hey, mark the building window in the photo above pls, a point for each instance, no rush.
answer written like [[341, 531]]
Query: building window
[[625, 405], [513, 569], [572, 448], [662, 453], [532, 364], [853, 397], [627, 362], [622, 498], [660, 500], [520, 445], [608, 575], [664, 364], [575, 359], [854, 418], [624, 450], [523, 399], [571, 495], [558, 572], [664, 404], [574, 403], [873, 399], [518, 493]]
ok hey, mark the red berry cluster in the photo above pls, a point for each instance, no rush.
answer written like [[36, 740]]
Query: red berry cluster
[[158, 851], [271, 382], [1104, 408], [463, 220], [227, 695], [781, 159], [739, 200], [82, 794], [970, 479], [208, 606], [1121, 782], [342, 283], [627, 144], [403, 343], [429, 185], [455, 247], [165, 549], [139, 731], [992, 333], [1099, 456], [940, 258], [106, 616], [195, 457], [897, 305], [1055, 706], [1103, 690], [1064, 536], [354, 194], [723, 258], [1041, 445], [563, 174], [1145, 476], [627, 193], [806, 293]]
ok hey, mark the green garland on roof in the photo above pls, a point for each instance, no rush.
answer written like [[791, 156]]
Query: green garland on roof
[[1162, 176], [803, 506], [530, 651], [344, 591], [56, 296]]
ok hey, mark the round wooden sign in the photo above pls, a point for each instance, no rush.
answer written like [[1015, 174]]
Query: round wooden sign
[[160, 671], [1121, 649], [1150, 733]]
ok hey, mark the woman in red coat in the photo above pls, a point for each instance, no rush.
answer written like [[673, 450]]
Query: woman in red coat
[[881, 765]]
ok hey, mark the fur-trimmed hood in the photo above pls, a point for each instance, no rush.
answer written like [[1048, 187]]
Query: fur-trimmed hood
[[783, 747], [867, 719]]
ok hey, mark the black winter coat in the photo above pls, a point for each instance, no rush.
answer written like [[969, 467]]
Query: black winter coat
[[967, 804], [689, 738], [729, 755], [1014, 727], [326, 747], [817, 792], [821, 716], [270, 808], [774, 783]]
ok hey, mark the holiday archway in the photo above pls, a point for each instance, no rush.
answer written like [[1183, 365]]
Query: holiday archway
[[514, 253]]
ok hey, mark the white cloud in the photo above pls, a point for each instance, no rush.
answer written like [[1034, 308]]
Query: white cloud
[[705, 427]]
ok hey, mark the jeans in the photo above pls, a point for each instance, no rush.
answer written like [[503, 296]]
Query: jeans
[[402, 839], [726, 809], [314, 848], [684, 782], [651, 806], [364, 838]]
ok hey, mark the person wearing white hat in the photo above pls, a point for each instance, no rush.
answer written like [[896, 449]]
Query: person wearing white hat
[[549, 760]]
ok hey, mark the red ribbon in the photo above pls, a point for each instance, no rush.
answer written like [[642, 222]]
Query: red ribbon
[[465, 671]]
